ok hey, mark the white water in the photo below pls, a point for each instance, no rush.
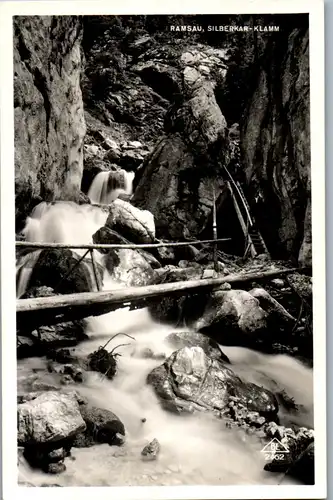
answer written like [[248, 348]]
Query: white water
[[196, 449], [60, 222], [107, 186]]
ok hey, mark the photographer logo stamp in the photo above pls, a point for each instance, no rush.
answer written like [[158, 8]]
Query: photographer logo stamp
[[275, 450]]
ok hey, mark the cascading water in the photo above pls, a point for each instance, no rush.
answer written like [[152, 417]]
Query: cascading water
[[60, 222], [107, 186], [195, 449]]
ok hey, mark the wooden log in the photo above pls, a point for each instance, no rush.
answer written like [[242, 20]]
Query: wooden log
[[92, 246], [60, 308]]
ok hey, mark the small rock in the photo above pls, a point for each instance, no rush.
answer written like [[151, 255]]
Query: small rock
[[56, 455], [225, 286], [134, 144], [74, 372], [66, 379], [102, 426], [151, 450], [110, 144], [56, 468], [279, 283], [204, 69]]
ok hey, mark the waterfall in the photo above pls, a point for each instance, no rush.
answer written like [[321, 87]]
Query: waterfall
[[59, 222], [24, 270], [107, 186]]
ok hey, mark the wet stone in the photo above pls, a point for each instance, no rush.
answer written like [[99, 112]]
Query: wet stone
[[56, 455], [151, 450], [56, 468]]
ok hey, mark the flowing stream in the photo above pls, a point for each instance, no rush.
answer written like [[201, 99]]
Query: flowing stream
[[195, 449]]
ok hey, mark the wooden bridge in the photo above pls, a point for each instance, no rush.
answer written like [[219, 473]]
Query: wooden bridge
[[61, 308]]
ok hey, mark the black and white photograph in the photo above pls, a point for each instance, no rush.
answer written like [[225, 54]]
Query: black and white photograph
[[164, 285]]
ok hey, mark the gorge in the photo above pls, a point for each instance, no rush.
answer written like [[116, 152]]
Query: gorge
[[128, 133]]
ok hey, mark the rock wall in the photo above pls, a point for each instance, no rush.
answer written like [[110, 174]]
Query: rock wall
[[49, 119], [178, 178], [275, 142]]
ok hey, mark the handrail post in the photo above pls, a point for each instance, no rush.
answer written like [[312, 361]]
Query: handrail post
[[94, 270], [214, 233]]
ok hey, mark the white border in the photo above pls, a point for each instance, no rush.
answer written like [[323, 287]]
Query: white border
[[9, 457]]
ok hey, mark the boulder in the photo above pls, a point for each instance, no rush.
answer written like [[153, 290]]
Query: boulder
[[107, 236], [177, 179], [50, 417], [102, 426], [38, 342], [302, 285], [234, 317], [277, 313], [178, 340], [190, 380], [130, 222], [130, 267], [55, 268], [177, 310]]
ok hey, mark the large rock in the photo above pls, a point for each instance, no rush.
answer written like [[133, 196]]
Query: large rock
[[129, 267], [106, 235], [178, 178], [234, 317], [275, 139], [102, 426], [48, 109], [38, 342], [50, 417], [276, 311], [187, 308], [134, 224], [190, 380], [58, 268], [178, 340]]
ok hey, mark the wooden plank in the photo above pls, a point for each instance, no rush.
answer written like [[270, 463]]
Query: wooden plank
[[51, 310], [241, 195], [92, 246]]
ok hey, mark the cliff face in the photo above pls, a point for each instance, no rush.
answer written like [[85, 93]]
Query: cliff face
[[179, 177], [49, 119], [275, 142], [165, 106]]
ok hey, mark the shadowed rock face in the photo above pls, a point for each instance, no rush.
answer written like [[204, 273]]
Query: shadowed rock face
[[178, 178], [49, 120], [275, 139]]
